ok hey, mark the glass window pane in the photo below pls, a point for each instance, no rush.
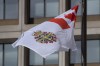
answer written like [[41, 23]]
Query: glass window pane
[[1, 9], [93, 7], [10, 54], [36, 8], [35, 59], [52, 8], [93, 52], [76, 56], [11, 10], [52, 60], [1, 52], [93, 49]]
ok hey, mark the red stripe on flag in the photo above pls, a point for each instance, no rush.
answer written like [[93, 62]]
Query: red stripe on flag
[[60, 21], [71, 16]]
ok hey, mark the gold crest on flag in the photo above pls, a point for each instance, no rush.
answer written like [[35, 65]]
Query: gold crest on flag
[[44, 37]]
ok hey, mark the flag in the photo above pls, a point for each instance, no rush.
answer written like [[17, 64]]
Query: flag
[[54, 35], [66, 37]]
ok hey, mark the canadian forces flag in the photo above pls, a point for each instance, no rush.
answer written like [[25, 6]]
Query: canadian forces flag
[[51, 36]]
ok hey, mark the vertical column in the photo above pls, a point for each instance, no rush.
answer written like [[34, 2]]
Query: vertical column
[[20, 56], [62, 6], [21, 14], [21, 24], [63, 56]]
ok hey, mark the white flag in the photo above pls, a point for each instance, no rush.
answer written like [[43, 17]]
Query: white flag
[[51, 36]]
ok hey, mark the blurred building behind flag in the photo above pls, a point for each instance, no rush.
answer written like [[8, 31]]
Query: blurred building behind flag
[[51, 36]]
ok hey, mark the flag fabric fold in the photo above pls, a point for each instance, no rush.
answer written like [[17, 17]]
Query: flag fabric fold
[[51, 36]]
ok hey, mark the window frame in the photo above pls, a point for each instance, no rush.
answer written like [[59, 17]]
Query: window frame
[[6, 21], [89, 37], [36, 20], [4, 42]]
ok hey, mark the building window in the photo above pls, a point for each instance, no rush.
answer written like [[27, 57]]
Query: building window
[[8, 12], [8, 9], [93, 9], [39, 10], [43, 8], [8, 55], [1, 9], [1, 53], [37, 60], [93, 53]]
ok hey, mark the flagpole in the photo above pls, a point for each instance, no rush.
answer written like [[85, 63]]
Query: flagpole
[[84, 32]]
